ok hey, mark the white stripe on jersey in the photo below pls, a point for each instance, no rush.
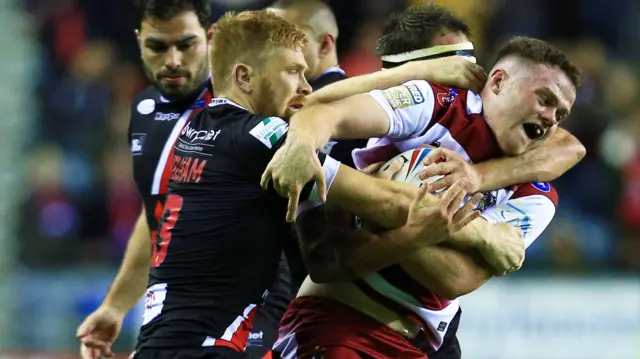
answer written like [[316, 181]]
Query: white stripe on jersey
[[166, 150]]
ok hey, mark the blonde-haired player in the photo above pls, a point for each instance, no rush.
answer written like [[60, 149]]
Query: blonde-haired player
[[221, 235]]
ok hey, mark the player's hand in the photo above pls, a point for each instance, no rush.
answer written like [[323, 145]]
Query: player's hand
[[454, 71], [292, 166], [434, 219], [98, 332], [383, 172], [505, 251], [452, 166]]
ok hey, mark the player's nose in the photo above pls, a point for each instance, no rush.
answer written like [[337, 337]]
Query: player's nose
[[548, 117], [173, 58], [304, 88]]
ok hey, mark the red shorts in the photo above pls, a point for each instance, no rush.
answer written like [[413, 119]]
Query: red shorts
[[316, 327]]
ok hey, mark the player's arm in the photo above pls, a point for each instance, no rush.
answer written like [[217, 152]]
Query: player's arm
[[334, 248], [335, 251], [131, 281], [383, 201], [451, 71], [401, 111], [452, 272], [541, 164]]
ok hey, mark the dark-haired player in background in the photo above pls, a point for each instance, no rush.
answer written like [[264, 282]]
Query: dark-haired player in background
[[172, 35]]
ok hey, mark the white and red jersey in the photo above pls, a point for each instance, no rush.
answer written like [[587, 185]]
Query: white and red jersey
[[420, 113]]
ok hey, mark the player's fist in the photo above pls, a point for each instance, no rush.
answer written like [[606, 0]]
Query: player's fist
[[454, 71], [451, 165], [98, 332], [292, 166], [505, 250], [433, 219]]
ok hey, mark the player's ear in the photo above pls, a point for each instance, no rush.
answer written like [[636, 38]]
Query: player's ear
[[242, 77], [496, 80], [138, 40], [327, 45], [209, 34]]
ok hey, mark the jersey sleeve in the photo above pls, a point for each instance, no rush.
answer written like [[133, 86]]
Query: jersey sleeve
[[258, 141], [531, 208], [409, 107], [309, 197]]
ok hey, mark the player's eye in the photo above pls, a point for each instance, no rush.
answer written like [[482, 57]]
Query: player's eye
[[184, 47], [544, 101], [157, 48]]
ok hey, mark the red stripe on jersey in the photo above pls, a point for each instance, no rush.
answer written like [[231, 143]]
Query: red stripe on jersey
[[168, 166], [239, 339], [399, 278], [414, 158], [538, 188]]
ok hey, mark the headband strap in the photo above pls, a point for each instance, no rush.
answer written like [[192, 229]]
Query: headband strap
[[434, 52]]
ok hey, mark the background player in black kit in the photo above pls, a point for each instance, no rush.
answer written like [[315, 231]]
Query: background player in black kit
[[173, 44]]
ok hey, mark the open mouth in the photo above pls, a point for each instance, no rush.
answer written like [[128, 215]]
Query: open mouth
[[295, 107], [533, 130]]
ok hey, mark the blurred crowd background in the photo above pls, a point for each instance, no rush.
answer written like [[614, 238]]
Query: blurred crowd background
[[70, 69]]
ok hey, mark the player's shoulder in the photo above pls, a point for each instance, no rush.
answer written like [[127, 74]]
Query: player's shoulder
[[145, 101], [244, 126], [544, 189], [446, 96]]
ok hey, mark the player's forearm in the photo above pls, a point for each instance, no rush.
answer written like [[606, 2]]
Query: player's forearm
[[381, 201], [314, 124], [450, 272], [364, 83], [455, 268], [132, 278], [358, 116], [339, 254], [474, 235], [542, 164]]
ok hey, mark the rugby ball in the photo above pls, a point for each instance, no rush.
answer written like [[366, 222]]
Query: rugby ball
[[412, 165]]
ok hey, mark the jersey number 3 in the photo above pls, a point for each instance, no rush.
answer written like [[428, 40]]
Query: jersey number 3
[[172, 208]]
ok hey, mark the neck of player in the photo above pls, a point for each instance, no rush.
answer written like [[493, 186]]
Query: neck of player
[[238, 97]]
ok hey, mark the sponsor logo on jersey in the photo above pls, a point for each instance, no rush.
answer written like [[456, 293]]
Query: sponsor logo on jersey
[[146, 107], [415, 93], [542, 186], [137, 143], [270, 130], [255, 339], [161, 116], [400, 96], [446, 98], [199, 135]]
